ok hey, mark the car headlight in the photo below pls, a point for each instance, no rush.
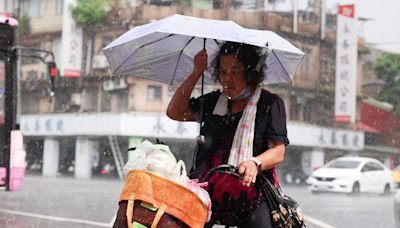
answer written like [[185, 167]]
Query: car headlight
[[310, 179]]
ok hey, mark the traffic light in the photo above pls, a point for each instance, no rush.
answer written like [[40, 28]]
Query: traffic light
[[52, 69], [53, 72]]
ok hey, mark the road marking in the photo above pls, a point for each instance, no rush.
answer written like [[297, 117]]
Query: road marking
[[113, 219], [55, 218], [103, 224], [317, 222]]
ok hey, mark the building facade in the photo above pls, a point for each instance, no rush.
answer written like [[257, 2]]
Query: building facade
[[92, 119]]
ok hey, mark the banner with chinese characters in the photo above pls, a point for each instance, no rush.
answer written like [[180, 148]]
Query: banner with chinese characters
[[71, 41], [346, 65]]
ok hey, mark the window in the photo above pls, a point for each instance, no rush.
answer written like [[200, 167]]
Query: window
[[154, 93], [30, 103], [307, 112], [122, 100], [329, 67], [106, 40], [372, 166], [90, 103], [93, 99], [295, 109], [36, 8], [59, 7], [61, 100], [340, 164], [105, 101], [367, 167], [32, 8], [306, 61], [376, 166], [24, 4]]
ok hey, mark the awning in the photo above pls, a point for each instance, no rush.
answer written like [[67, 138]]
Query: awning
[[367, 128], [382, 149]]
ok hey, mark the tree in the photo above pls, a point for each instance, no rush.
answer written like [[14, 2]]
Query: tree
[[387, 68], [89, 14]]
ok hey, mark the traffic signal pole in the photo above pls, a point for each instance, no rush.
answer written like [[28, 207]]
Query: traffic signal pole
[[9, 87], [7, 55]]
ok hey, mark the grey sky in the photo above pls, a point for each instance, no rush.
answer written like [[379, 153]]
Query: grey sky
[[383, 31]]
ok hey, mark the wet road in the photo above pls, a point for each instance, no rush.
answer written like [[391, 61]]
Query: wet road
[[341, 210], [66, 202]]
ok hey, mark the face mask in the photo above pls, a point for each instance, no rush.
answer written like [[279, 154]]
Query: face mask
[[242, 95]]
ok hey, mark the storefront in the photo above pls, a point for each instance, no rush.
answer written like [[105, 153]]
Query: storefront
[[84, 140]]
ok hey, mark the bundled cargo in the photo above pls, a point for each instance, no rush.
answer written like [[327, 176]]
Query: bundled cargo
[[158, 193]]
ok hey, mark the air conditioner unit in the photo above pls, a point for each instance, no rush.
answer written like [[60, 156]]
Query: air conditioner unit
[[122, 83], [100, 62], [115, 84], [76, 99], [108, 85]]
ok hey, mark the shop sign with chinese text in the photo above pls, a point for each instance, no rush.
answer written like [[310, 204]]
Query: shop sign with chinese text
[[346, 65], [72, 37]]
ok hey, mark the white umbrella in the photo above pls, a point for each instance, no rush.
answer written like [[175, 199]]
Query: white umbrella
[[164, 50]]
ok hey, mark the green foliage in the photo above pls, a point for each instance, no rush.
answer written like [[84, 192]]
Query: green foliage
[[387, 68], [23, 25], [90, 12]]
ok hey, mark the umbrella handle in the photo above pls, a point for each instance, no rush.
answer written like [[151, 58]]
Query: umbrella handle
[[201, 139]]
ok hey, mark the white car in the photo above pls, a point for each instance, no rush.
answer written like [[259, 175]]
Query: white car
[[352, 175]]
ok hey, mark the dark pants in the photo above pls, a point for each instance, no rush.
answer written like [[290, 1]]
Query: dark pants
[[257, 218]]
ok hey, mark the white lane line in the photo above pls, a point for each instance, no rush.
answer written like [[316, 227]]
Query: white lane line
[[55, 218], [101, 224], [111, 223], [317, 222]]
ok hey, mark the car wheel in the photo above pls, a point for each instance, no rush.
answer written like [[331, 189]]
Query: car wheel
[[356, 188], [386, 190]]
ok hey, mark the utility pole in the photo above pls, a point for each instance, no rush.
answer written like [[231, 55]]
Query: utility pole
[[323, 19], [295, 15]]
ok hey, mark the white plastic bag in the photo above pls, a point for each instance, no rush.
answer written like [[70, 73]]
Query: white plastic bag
[[179, 174], [156, 158]]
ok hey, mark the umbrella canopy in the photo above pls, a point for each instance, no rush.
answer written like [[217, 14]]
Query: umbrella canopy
[[164, 50]]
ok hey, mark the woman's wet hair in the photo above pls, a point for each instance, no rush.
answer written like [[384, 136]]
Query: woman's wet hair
[[248, 56]]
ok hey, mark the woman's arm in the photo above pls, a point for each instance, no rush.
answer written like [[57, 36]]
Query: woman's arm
[[273, 156], [178, 108], [269, 158]]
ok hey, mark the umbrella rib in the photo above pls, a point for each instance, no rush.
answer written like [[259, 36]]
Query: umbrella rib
[[279, 61], [144, 45], [179, 57]]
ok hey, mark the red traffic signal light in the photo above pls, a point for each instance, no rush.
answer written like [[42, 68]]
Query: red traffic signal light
[[52, 69], [53, 72]]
